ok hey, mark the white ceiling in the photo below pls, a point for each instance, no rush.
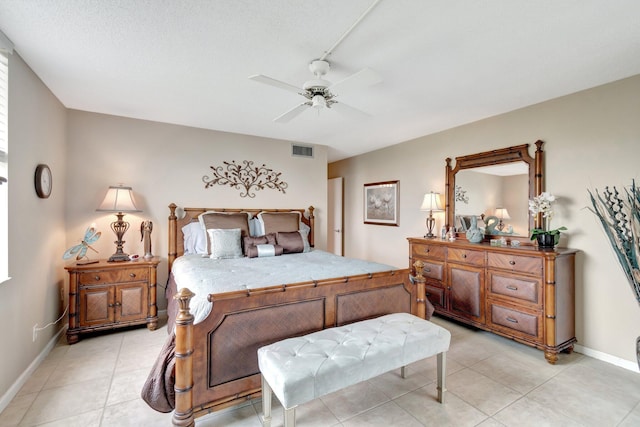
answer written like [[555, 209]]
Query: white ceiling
[[443, 62]]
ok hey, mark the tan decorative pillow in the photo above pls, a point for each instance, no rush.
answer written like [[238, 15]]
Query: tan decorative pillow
[[293, 242], [224, 221], [274, 222], [269, 239]]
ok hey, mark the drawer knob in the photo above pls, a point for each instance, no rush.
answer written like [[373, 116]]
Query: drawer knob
[[132, 274], [97, 278], [110, 305], [118, 304], [512, 288], [426, 250], [512, 262], [512, 320], [464, 255]]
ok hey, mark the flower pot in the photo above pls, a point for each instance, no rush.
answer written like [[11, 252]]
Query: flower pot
[[546, 241]]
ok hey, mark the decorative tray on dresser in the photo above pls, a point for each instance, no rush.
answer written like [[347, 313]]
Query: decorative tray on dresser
[[109, 295], [522, 293]]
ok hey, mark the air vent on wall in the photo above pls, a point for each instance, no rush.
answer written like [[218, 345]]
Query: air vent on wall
[[301, 150]]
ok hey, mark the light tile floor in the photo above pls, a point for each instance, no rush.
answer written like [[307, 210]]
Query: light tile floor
[[491, 381]]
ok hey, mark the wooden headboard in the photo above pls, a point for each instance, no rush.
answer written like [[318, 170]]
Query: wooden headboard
[[176, 240]]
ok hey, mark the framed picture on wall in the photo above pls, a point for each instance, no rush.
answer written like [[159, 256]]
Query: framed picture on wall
[[381, 203]]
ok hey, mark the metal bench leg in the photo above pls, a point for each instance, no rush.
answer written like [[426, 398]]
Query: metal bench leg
[[266, 403], [290, 417], [442, 368]]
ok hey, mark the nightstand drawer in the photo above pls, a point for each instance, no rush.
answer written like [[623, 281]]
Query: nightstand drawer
[[523, 264], [113, 276], [465, 256], [430, 251], [516, 287]]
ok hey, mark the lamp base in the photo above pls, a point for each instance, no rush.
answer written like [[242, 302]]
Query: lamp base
[[431, 222], [118, 257]]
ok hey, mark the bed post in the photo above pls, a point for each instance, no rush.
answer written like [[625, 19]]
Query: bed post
[[183, 412], [421, 296], [173, 226], [312, 224]]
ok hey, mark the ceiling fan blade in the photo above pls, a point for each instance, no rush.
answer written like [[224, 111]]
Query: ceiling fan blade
[[277, 83], [349, 110], [363, 78], [285, 117]]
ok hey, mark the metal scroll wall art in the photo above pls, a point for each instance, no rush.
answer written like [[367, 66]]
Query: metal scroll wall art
[[246, 176]]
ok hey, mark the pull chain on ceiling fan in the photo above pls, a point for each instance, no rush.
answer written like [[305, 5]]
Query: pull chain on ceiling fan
[[320, 93]]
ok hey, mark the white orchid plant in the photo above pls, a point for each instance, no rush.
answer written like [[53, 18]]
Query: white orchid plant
[[542, 205]]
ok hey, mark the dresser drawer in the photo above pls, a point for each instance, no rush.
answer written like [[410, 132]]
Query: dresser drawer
[[525, 324], [517, 287], [113, 276], [429, 251], [522, 264], [432, 270], [465, 256], [435, 295]]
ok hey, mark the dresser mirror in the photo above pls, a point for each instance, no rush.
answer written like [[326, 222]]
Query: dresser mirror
[[494, 187]]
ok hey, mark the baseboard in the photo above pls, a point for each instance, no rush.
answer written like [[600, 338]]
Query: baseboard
[[614, 360], [22, 379]]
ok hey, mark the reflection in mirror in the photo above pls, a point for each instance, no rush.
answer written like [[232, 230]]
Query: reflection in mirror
[[501, 191], [495, 187]]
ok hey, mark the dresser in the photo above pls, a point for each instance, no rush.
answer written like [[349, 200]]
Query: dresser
[[521, 293], [109, 295]]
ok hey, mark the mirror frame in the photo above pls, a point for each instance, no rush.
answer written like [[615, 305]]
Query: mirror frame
[[517, 153]]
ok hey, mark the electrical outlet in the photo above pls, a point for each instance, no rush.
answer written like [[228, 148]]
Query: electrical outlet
[[35, 332]]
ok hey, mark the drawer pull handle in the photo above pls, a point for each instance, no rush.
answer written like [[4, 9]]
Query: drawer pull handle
[[512, 262], [132, 274], [512, 288], [512, 320], [97, 278], [427, 270]]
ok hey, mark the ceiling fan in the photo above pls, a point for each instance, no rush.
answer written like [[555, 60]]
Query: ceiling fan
[[321, 93]]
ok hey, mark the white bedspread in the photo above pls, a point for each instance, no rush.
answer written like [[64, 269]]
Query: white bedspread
[[203, 275]]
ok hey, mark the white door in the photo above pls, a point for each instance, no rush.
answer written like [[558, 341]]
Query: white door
[[334, 222]]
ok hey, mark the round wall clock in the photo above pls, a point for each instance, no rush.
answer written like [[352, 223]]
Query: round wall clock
[[43, 181]]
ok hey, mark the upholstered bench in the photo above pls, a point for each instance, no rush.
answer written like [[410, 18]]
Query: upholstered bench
[[301, 369]]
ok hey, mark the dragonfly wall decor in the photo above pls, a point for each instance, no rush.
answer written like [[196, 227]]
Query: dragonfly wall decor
[[80, 250]]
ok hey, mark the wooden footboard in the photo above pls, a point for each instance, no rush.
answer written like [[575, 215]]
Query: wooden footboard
[[216, 361]]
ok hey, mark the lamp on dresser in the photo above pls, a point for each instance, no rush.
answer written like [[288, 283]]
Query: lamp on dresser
[[431, 203], [119, 200], [502, 213]]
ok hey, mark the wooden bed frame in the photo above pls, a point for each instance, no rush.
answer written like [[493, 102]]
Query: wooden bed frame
[[216, 360]]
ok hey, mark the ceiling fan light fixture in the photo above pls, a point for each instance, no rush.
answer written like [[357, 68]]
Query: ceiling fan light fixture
[[318, 102]]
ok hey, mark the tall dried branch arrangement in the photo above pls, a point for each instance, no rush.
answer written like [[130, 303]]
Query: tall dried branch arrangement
[[619, 215]]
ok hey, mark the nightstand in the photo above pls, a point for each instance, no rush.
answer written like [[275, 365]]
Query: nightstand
[[110, 295]]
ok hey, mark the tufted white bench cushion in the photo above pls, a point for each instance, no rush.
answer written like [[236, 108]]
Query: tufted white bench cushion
[[301, 369]]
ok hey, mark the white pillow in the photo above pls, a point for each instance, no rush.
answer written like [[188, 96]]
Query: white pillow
[[256, 227], [195, 239], [225, 243]]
